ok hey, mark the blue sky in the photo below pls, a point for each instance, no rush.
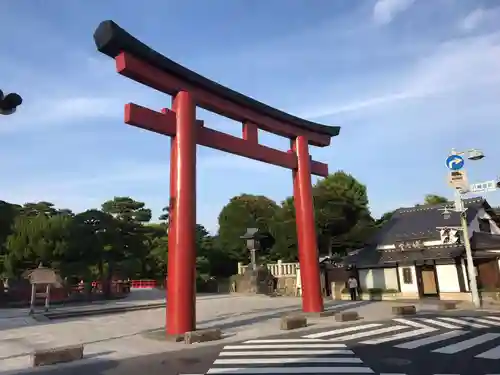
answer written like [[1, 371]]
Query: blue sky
[[406, 80]]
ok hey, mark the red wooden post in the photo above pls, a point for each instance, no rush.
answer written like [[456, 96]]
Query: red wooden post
[[312, 301], [181, 262], [171, 214]]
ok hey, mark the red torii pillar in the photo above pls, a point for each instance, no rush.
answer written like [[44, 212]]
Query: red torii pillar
[[189, 90]]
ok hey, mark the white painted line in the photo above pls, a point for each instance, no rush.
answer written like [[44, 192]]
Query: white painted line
[[391, 373], [270, 341], [269, 361], [430, 340], [289, 353], [439, 324], [490, 354], [292, 370], [400, 336], [342, 330], [494, 317], [284, 346], [463, 322], [463, 345], [375, 332], [484, 321], [410, 323]]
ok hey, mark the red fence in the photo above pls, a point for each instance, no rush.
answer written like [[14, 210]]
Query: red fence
[[143, 284]]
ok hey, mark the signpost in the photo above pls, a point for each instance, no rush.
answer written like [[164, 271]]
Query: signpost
[[455, 162], [459, 180], [484, 187]]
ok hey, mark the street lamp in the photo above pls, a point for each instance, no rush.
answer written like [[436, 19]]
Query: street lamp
[[472, 154], [9, 103]]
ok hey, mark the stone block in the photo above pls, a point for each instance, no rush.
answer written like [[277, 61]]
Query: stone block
[[322, 314], [289, 322], [404, 310], [202, 335], [52, 356], [346, 316], [447, 306]]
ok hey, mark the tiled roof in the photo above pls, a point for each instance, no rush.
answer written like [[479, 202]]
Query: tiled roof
[[420, 223]]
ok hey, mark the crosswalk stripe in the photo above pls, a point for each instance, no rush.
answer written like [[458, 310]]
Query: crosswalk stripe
[[430, 340], [291, 370], [285, 346], [439, 324], [490, 354], [462, 322], [268, 361], [342, 330], [278, 341], [369, 333], [484, 321], [462, 345], [410, 323], [400, 336], [494, 317], [286, 352]]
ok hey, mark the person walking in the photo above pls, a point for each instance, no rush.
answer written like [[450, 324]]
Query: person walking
[[352, 283]]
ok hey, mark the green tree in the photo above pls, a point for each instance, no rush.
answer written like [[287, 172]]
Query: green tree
[[8, 213], [340, 201], [242, 212], [165, 216], [435, 199], [95, 245], [36, 239], [379, 223], [284, 230], [132, 239]]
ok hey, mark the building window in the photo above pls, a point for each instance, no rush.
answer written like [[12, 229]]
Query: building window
[[407, 276]]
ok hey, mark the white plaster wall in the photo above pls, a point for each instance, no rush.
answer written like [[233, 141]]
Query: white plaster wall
[[383, 278], [464, 272], [447, 276], [408, 288]]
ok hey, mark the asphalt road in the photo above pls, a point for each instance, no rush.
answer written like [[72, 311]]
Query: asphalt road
[[449, 343]]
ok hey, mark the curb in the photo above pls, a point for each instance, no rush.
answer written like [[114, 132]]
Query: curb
[[92, 312]]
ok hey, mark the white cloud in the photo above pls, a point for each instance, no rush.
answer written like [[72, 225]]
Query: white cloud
[[479, 17], [460, 64], [385, 11]]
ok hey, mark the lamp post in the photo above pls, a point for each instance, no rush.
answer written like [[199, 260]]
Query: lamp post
[[9, 103], [472, 154], [252, 241]]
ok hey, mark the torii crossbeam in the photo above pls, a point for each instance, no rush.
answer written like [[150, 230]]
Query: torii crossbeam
[[189, 90]]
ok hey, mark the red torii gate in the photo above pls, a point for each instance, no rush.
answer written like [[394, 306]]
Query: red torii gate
[[188, 89]]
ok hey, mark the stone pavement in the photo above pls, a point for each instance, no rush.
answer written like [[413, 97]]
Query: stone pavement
[[120, 336]]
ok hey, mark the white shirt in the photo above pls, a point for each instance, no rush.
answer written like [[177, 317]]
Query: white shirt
[[353, 283]]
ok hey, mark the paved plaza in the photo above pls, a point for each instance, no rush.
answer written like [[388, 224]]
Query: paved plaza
[[125, 335]]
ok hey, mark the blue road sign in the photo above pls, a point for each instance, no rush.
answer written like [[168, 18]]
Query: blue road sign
[[455, 162]]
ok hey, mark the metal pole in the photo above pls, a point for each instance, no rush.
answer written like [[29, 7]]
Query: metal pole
[[468, 253]]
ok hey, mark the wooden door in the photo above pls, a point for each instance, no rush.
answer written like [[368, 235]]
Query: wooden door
[[429, 282]]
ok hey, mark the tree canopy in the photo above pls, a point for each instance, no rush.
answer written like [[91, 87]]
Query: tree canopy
[[119, 239]]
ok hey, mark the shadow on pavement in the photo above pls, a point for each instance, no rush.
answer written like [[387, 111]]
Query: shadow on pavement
[[193, 361], [273, 315]]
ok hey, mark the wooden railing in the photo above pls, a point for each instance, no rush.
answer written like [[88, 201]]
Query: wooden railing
[[278, 269]]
